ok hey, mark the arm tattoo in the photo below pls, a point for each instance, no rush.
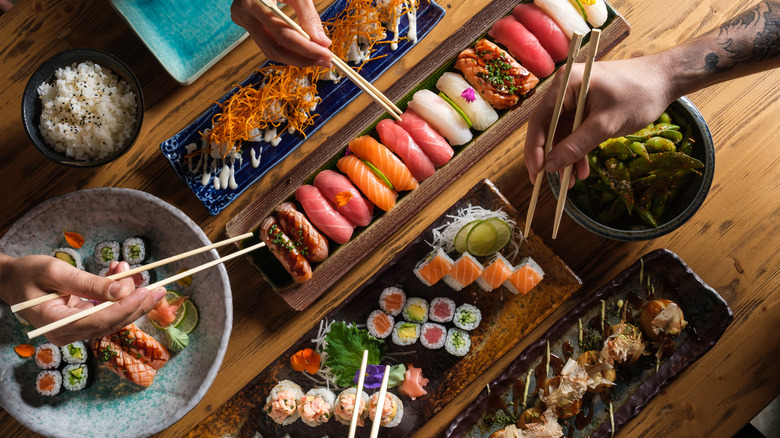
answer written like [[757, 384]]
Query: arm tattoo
[[751, 37]]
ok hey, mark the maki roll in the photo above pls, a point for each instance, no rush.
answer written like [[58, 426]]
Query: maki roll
[[467, 317], [416, 310], [465, 271], [405, 333], [441, 309], [392, 409], [380, 324], [75, 376], [525, 277], [392, 300], [70, 256], [48, 356], [106, 252], [458, 342], [433, 336], [135, 250], [495, 274], [316, 407], [48, 383], [345, 406], [282, 403], [144, 278], [434, 267], [74, 353]]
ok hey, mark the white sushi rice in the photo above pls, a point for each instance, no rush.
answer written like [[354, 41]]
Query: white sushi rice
[[458, 342], [88, 112], [424, 338], [399, 339]]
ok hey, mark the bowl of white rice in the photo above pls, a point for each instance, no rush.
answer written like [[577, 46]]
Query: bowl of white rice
[[82, 108]]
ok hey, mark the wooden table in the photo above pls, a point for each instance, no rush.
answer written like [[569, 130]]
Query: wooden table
[[733, 242]]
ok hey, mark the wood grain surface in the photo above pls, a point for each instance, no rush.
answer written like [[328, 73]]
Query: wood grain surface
[[733, 241]]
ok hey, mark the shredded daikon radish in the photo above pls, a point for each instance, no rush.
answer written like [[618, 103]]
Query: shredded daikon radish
[[444, 235]]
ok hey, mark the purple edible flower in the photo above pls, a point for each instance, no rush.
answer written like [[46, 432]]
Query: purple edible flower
[[374, 375], [469, 95]]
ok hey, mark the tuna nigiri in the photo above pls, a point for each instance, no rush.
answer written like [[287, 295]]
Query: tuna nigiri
[[431, 142], [523, 45], [564, 13], [441, 116], [545, 29], [366, 148], [481, 114], [322, 215], [495, 273], [297, 227], [524, 277], [368, 183], [434, 267], [344, 197], [400, 142]]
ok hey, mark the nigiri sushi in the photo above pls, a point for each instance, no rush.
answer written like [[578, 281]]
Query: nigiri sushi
[[297, 227], [495, 274], [284, 250], [322, 215], [434, 267], [367, 148], [344, 197], [368, 183], [431, 142], [481, 114], [545, 29], [402, 143], [131, 354], [525, 277], [465, 271], [442, 117], [523, 45], [596, 12], [564, 13]]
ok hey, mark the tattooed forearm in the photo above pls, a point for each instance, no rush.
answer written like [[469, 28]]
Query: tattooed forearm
[[752, 37]]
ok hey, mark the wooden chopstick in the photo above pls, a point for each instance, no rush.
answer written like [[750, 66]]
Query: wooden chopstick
[[358, 392], [593, 47], [574, 47], [380, 403], [77, 316], [360, 81], [44, 298]]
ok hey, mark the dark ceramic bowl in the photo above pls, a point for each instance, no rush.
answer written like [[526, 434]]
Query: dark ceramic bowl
[[32, 108], [682, 208]]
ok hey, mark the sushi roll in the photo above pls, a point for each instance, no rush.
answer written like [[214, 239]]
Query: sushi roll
[[74, 353], [392, 300], [70, 256], [392, 409], [380, 324], [434, 267], [416, 310], [433, 336], [345, 406], [316, 407], [525, 277], [441, 309], [135, 250], [481, 114], [48, 356], [458, 342], [48, 383], [406, 333], [495, 274], [103, 272], [75, 376], [144, 278], [441, 116], [467, 317], [106, 252], [282, 403], [465, 271]]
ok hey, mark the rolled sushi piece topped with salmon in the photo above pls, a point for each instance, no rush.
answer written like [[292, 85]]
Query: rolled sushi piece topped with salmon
[[392, 409], [402, 144], [495, 274], [366, 180], [344, 197], [368, 149], [465, 271], [346, 405], [526, 275], [431, 142], [434, 267], [323, 215]]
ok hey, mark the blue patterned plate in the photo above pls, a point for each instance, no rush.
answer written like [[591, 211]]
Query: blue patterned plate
[[334, 98], [113, 407]]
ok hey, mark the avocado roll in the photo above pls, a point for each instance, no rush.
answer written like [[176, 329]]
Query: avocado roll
[[74, 353], [106, 252], [70, 256], [75, 376]]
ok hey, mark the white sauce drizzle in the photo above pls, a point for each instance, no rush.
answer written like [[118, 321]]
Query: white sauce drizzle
[[256, 155], [412, 16]]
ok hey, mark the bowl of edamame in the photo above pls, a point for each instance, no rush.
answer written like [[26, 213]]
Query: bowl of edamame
[[647, 184]]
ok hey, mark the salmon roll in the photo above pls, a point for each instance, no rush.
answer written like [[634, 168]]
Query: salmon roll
[[47, 356], [345, 406], [380, 324], [48, 383], [374, 188], [366, 148], [495, 274], [525, 277], [392, 409], [282, 403], [465, 271], [316, 407], [434, 267], [392, 300]]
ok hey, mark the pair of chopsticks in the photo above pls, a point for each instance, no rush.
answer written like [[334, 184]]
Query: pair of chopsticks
[[595, 34], [340, 64], [379, 403], [77, 316]]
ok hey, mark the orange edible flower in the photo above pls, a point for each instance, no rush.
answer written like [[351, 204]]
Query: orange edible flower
[[306, 360], [75, 240], [24, 350], [342, 198]]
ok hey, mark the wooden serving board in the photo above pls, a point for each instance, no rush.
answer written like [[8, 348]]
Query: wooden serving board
[[344, 258], [506, 319]]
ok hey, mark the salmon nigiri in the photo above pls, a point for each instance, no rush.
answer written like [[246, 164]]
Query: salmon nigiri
[[132, 354], [366, 148], [375, 190], [139, 343]]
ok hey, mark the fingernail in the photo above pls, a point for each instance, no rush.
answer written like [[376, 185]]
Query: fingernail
[[553, 165], [159, 293], [115, 290], [124, 266]]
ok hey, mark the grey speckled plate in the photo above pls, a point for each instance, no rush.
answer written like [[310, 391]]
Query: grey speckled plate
[[112, 407]]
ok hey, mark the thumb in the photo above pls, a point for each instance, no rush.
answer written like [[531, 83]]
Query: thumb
[[93, 287], [310, 21], [575, 146]]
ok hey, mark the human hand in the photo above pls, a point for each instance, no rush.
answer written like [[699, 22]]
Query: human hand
[[280, 42], [623, 97], [28, 277]]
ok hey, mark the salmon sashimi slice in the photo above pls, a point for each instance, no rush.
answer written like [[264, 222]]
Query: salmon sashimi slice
[[402, 144], [141, 344], [126, 365], [375, 190], [379, 155], [495, 273], [465, 271], [434, 267], [523, 279]]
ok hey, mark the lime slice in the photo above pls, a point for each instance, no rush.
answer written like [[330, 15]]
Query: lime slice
[[181, 312], [457, 108], [488, 237], [190, 320], [463, 233], [379, 174], [503, 231]]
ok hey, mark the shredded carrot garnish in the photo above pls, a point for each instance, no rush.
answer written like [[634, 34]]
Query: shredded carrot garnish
[[24, 350], [75, 240]]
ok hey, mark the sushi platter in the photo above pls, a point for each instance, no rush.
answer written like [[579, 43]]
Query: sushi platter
[[423, 78]]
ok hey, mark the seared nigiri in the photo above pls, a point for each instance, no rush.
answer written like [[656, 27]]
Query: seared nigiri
[[284, 250], [375, 190], [495, 274], [344, 197], [434, 267], [523, 45], [524, 277], [141, 344], [465, 271], [481, 114], [132, 354], [322, 215], [430, 141], [442, 117], [401, 142], [366, 148], [544, 28], [297, 227]]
